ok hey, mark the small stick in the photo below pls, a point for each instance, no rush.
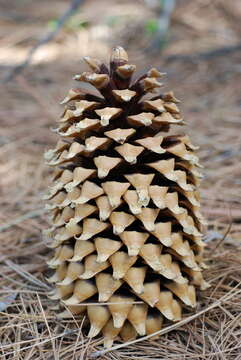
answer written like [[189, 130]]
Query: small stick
[[45, 39], [206, 55], [224, 236], [163, 25]]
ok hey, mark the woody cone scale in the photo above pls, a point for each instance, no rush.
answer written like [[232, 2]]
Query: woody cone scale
[[126, 227]]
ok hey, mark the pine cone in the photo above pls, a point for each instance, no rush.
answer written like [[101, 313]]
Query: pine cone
[[126, 225]]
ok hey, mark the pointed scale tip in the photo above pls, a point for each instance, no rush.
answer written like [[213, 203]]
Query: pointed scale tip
[[94, 64], [94, 331], [73, 300]]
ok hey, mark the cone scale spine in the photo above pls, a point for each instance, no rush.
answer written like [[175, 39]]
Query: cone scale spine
[[126, 227]]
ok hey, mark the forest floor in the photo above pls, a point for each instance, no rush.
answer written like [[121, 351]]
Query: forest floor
[[208, 84]]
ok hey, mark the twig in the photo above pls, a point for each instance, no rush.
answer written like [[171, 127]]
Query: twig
[[28, 215], [45, 39], [222, 51], [162, 25], [171, 327], [224, 236]]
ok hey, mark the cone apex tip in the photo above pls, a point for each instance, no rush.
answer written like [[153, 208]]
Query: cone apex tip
[[119, 54]]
